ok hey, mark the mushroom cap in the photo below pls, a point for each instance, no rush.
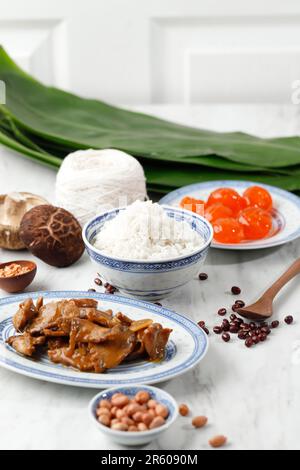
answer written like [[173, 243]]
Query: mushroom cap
[[12, 208], [53, 235]]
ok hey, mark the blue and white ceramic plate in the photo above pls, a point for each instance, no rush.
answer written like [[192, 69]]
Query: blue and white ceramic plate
[[286, 215], [187, 346]]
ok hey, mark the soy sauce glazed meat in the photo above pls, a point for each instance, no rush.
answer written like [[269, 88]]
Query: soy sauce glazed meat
[[76, 333]]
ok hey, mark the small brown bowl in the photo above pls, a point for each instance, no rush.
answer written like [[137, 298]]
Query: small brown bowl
[[18, 283]]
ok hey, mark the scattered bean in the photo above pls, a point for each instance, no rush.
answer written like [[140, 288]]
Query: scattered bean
[[275, 324], [203, 276], [289, 320], [226, 337], [98, 281], [184, 409], [199, 421], [218, 330], [235, 290], [217, 441], [222, 312]]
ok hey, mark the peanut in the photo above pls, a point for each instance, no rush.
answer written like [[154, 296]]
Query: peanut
[[184, 410], [133, 429], [138, 417], [147, 418], [142, 397], [217, 441], [157, 422], [103, 411], [162, 411], [120, 427], [120, 413], [105, 404], [199, 421], [120, 401], [104, 419], [127, 421], [142, 427], [114, 410], [132, 409], [152, 404]]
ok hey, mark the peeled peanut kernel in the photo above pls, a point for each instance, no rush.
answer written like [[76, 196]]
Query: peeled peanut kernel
[[105, 404], [152, 404], [137, 417], [151, 412], [133, 429], [132, 409], [147, 418], [218, 441], [120, 414], [157, 422], [127, 421], [142, 397], [103, 411], [120, 427], [184, 410], [199, 421], [104, 419], [114, 421], [142, 427], [120, 401], [113, 410], [162, 411]]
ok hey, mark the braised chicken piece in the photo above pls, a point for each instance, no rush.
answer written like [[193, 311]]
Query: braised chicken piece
[[56, 343], [155, 339], [97, 316], [96, 357], [26, 313], [79, 335], [85, 331], [47, 316], [26, 344]]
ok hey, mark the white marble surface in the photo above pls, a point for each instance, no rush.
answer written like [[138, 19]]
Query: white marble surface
[[251, 396]]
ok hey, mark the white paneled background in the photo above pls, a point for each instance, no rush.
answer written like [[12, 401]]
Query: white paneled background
[[158, 51]]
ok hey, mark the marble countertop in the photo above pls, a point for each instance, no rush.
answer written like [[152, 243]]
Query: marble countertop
[[251, 396]]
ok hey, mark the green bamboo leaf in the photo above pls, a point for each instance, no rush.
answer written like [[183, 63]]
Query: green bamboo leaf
[[75, 122]]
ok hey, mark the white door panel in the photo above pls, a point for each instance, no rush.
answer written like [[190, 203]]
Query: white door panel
[[168, 51]]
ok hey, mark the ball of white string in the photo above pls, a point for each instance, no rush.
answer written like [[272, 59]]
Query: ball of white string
[[92, 181]]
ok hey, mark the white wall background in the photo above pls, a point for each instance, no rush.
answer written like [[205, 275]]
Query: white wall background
[[158, 51]]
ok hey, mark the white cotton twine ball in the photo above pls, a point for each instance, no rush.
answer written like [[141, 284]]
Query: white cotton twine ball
[[92, 181]]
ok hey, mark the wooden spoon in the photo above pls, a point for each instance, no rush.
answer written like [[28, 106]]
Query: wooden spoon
[[263, 308]]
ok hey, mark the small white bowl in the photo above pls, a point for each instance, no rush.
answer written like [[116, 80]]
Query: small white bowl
[[149, 280], [135, 438]]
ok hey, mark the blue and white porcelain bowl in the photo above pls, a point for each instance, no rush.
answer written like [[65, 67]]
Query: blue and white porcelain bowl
[[149, 280], [135, 438]]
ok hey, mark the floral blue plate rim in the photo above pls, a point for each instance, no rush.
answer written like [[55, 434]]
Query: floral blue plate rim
[[188, 347], [288, 211]]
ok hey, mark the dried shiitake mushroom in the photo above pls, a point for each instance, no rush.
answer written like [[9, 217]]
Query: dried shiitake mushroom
[[53, 235], [12, 208]]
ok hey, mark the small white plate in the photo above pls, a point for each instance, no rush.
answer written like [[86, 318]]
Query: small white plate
[[187, 346], [286, 215]]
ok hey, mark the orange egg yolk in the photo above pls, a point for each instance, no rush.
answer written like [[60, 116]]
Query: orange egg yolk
[[227, 197], [217, 211], [257, 196], [228, 230], [256, 223], [192, 204]]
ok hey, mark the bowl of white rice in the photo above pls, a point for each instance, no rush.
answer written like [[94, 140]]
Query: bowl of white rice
[[147, 250]]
